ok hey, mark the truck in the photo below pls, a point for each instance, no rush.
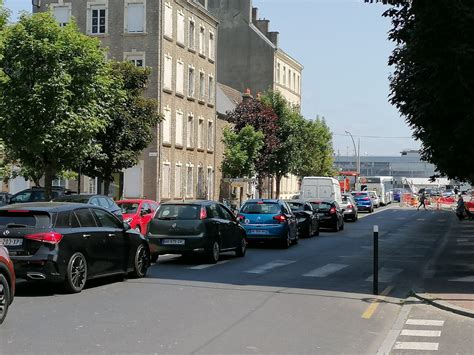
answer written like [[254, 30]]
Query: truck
[[320, 188]]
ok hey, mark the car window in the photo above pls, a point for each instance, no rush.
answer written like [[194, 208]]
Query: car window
[[296, 206], [308, 207], [180, 212], [225, 213], [103, 202], [85, 218], [106, 219], [37, 196], [212, 211], [321, 206], [129, 207], [146, 207], [154, 206], [261, 208], [25, 219], [21, 197], [94, 201], [285, 208], [63, 219]]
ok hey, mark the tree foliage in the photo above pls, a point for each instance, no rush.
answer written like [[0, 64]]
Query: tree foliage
[[54, 81]]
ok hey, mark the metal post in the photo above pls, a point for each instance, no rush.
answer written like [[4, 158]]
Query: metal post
[[376, 261]]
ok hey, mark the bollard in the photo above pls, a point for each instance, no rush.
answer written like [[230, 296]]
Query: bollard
[[376, 261]]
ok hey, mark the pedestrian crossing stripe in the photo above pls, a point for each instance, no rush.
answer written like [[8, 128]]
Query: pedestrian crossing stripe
[[430, 322], [269, 266], [325, 270]]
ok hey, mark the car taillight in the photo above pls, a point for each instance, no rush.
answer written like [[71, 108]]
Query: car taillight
[[350, 206], [366, 199], [49, 237], [203, 214], [280, 218], [332, 210], [240, 218]]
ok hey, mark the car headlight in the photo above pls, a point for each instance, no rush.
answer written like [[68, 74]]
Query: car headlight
[[128, 220]]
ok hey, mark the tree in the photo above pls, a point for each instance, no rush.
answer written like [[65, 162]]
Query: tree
[[54, 82], [132, 121], [4, 14]]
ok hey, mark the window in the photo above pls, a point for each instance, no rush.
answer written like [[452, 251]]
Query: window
[[190, 132], [180, 27], [168, 21], [201, 133], [284, 75], [211, 89], [294, 81], [168, 75], [135, 21], [201, 187], [210, 184], [278, 73], [166, 180], [224, 213], [98, 20], [62, 14], [106, 220], [192, 35], [189, 181], [210, 135], [166, 125], [191, 82], [202, 86], [136, 58], [202, 44], [212, 47], [180, 77], [178, 181], [289, 78], [179, 128], [298, 88], [85, 217]]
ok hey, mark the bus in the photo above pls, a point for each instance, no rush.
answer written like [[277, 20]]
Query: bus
[[382, 185]]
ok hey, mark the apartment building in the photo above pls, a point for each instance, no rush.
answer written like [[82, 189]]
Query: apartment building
[[177, 39]]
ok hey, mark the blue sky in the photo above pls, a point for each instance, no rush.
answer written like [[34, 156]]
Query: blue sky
[[344, 48]]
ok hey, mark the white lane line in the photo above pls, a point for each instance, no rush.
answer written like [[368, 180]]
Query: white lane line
[[465, 244], [421, 333], [436, 323], [464, 252], [421, 219], [463, 279], [407, 345], [325, 270], [461, 240], [269, 266], [386, 274], [206, 266]]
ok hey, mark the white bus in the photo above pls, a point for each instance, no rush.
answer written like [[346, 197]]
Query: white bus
[[383, 185]]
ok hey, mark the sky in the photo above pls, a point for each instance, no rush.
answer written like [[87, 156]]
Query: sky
[[344, 49]]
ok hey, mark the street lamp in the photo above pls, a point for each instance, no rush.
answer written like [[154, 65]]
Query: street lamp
[[36, 3], [356, 154]]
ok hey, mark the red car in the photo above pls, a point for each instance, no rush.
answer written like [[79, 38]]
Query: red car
[[138, 213], [7, 282]]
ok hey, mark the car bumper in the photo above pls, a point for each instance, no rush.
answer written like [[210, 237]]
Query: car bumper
[[364, 207], [350, 212], [38, 269], [327, 221], [265, 232]]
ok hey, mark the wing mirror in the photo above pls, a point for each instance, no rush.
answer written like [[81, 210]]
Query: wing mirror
[[126, 226]]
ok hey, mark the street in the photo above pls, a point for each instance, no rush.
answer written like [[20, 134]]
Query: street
[[313, 298]]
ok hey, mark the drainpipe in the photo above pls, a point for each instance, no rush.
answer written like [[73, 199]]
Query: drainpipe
[[160, 103]]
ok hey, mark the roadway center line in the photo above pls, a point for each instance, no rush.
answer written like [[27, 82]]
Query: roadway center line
[[268, 266], [325, 270], [369, 312]]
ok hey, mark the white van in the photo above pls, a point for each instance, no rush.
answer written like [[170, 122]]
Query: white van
[[320, 188]]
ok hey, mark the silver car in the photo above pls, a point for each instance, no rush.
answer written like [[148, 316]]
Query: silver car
[[350, 207]]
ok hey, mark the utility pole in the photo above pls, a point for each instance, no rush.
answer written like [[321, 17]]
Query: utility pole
[[356, 155]]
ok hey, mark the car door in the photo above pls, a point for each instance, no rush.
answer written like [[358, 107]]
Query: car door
[[95, 240], [227, 231], [112, 228], [292, 221], [235, 232], [312, 215]]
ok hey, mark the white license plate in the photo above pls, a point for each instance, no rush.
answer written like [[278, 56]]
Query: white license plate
[[256, 231], [173, 242], [11, 242]]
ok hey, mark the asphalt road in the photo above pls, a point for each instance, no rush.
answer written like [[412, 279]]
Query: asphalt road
[[315, 297]]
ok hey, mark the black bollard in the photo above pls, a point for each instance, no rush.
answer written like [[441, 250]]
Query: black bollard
[[376, 261]]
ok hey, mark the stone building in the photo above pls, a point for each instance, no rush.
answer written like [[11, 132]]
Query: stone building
[[177, 39]]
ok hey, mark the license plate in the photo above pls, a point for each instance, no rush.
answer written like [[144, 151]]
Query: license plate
[[11, 242], [258, 232], [173, 242]]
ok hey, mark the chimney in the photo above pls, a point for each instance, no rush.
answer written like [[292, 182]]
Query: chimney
[[273, 37], [246, 96], [254, 14], [263, 25]]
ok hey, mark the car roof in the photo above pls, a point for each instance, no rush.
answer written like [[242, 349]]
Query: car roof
[[264, 200], [43, 206], [295, 201], [189, 202], [138, 200]]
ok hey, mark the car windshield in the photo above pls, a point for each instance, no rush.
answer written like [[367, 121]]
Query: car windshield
[[321, 206], [296, 206], [178, 212], [24, 219], [360, 194], [261, 208], [128, 207]]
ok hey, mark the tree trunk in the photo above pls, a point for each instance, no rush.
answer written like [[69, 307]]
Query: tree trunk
[[106, 186], [48, 180], [277, 183], [260, 187]]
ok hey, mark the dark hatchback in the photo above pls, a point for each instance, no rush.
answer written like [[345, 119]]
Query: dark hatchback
[[96, 200], [330, 214], [308, 218], [36, 194], [70, 243], [195, 226]]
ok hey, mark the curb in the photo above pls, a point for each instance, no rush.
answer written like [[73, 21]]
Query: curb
[[446, 306]]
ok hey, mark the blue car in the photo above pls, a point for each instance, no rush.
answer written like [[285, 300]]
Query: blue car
[[269, 220], [363, 201]]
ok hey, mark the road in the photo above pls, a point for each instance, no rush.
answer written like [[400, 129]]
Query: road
[[312, 298]]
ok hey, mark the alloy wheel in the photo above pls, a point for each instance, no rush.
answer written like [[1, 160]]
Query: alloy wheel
[[3, 300], [141, 261], [78, 272], [215, 251]]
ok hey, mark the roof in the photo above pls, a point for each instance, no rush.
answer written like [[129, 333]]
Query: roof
[[227, 98], [41, 206]]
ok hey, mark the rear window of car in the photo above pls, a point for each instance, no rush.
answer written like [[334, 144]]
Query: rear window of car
[[261, 208], [25, 219], [360, 194], [73, 199], [179, 212], [296, 206], [321, 206], [128, 207]]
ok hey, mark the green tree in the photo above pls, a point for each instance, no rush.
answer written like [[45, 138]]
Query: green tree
[[54, 82], [130, 129]]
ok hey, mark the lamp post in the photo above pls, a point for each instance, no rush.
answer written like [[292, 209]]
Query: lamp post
[[356, 155], [36, 3]]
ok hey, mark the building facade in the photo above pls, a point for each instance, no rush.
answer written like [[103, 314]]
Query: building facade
[[177, 39]]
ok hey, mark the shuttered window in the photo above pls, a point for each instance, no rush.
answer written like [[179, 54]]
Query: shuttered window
[[136, 18], [168, 21], [166, 126], [179, 128]]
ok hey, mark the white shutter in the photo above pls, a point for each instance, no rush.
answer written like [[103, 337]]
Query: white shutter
[[168, 72], [168, 21], [180, 77], [179, 128], [178, 182], [166, 126], [166, 180], [136, 18], [62, 14], [180, 28]]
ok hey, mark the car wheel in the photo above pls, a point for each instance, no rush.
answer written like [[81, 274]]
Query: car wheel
[[336, 226], [76, 273], [355, 218], [317, 231], [310, 231], [341, 226], [295, 241], [285, 243], [154, 258], [213, 252], [241, 249], [141, 262], [4, 297]]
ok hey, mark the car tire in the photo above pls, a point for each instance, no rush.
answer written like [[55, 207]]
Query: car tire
[[371, 210], [336, 227], [341, 226], [242, 249], [4, 297], [297, 238], [213, 252], [309, 232], [154, 258], [141, 262], [355, 218], [285, 243], [76, 273], [317, 231]]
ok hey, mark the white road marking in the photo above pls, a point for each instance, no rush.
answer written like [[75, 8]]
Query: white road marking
[[325, 270], [206, 266], [421, 219], [421, 333], [464, 252], [463, 279], [461, 240], [386, 274], [436, 323], [268, 266], [406, 345]]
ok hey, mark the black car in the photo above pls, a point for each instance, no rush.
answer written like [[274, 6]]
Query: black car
[[96, 200], [70, 243], [196, 226], [308, 219], [36, 194], [330, 214]]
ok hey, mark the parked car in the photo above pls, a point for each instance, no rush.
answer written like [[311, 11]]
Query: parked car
[[70, 243], [4, 198], [96, 200], [397, 194], [195, 227], [7, 282], [375, 198], [308, 219], [363, 201], [349, 207], [269, 220], [330, 214], [37, 194], [138, 213]]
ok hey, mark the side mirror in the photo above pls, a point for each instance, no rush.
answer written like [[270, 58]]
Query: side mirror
[[126, 226]]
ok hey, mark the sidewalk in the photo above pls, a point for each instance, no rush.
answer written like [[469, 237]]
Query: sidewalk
[[449, 279]]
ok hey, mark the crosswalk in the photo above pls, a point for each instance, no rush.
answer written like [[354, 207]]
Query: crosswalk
[[419, 334]]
